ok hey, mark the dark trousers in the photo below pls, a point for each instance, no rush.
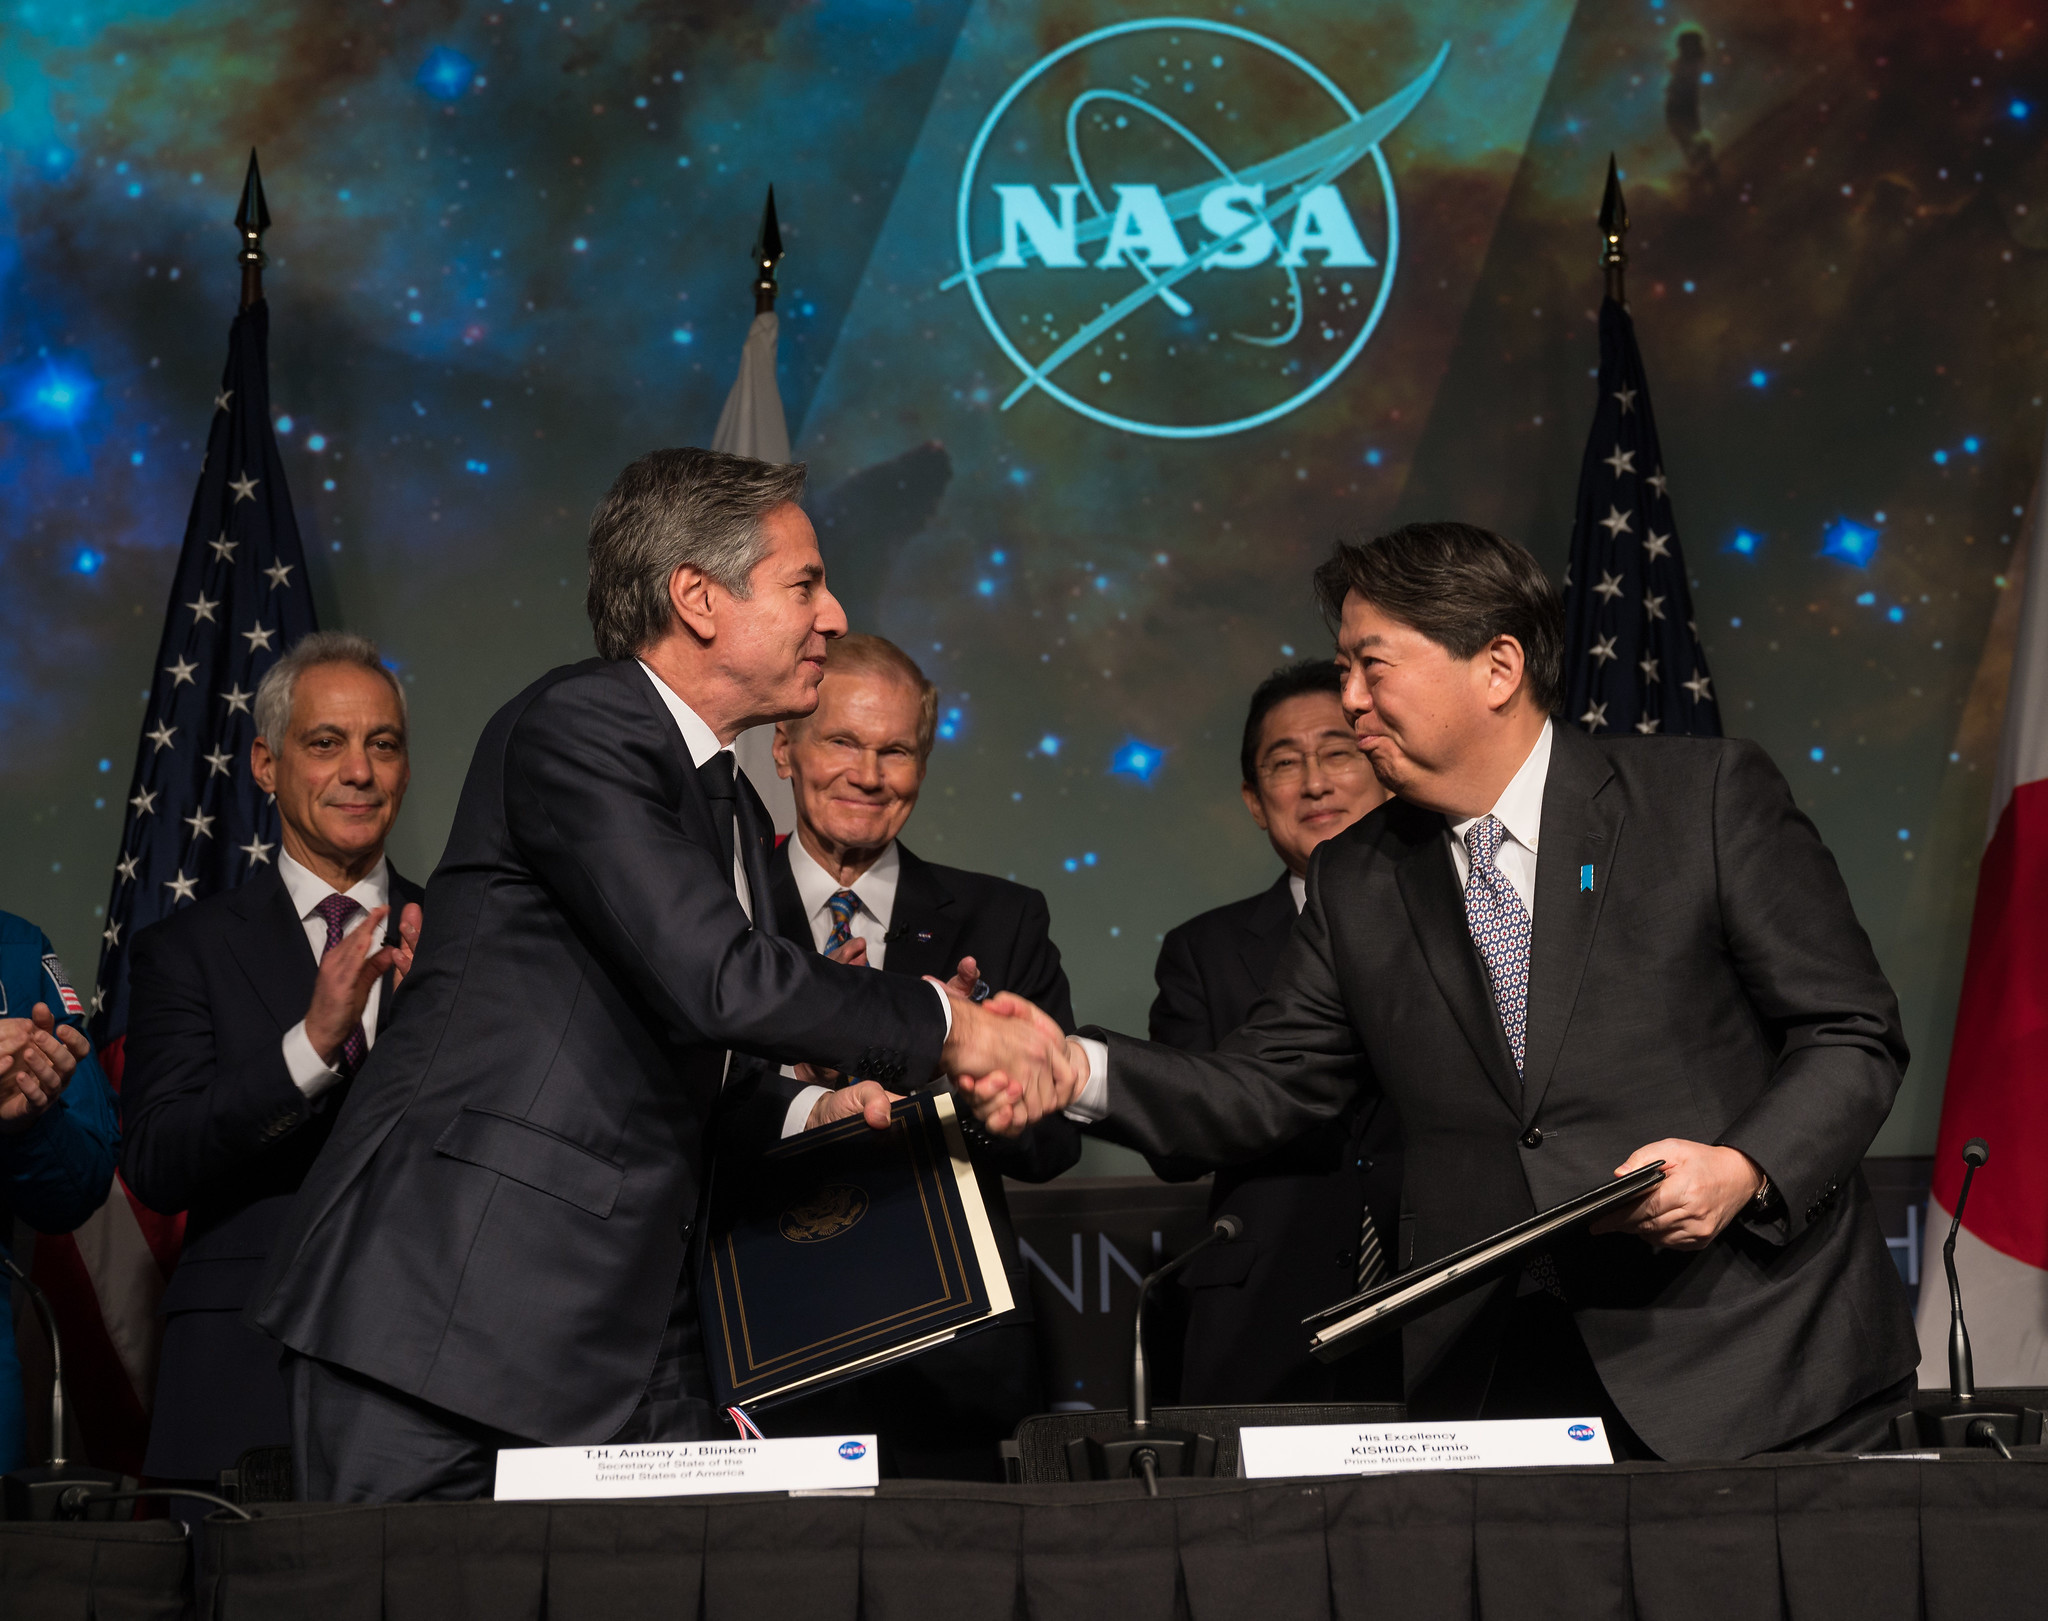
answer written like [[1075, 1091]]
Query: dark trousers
[[355, 1440]]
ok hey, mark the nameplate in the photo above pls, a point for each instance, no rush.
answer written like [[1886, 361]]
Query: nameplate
[[1277, 1452], [802, 1463]]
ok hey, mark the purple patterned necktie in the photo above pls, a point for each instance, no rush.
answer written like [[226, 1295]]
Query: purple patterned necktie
[[843, 907], [336, 911], [1500, 929]]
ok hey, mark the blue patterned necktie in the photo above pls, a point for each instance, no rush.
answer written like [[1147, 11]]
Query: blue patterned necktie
[[843, 907], [1500, 929]]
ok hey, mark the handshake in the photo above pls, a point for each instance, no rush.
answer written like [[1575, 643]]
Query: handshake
[[1010, 1062]]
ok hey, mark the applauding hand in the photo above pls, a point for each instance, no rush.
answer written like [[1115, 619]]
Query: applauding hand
[[37, 1058]]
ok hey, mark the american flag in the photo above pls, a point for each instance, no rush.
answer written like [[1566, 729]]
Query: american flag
[[1633, 660], [196, 824]]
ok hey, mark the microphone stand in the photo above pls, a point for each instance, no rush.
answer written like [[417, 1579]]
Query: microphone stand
[[1144, 1450], [1964, 1422], [57, 1489]]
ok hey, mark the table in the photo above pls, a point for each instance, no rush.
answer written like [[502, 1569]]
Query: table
[[1783, 1539]]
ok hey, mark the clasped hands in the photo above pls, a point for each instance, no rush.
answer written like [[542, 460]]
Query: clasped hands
[[37, 1059], [1010, 1061]]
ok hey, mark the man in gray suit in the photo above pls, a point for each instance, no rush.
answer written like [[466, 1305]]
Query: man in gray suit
[[1616, 950]]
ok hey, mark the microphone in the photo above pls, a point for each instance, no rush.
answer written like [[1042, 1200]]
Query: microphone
[[1963, 1421], [45, 1491], [1221, 1231], [1143, 1450], [1962, 1383]]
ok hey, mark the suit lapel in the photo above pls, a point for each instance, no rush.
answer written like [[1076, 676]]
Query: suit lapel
[[754, 829], [1581, 829], [923, 923], [1428, 882], [272, 951], [786, 905], [1264, 933]]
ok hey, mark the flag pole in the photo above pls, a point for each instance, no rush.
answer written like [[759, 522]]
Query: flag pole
[[767, 255], [1613, 231], [252, 219]]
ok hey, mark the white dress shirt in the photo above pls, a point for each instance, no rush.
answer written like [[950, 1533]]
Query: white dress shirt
[[1520, 809], [702, 742], [875, 889], [311, 1073], [1297, 886]]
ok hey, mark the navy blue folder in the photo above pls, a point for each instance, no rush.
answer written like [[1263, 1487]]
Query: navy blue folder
[[843, 1248]]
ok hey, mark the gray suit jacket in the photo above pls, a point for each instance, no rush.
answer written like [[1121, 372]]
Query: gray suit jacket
[[1712, 984], [499, 1222]]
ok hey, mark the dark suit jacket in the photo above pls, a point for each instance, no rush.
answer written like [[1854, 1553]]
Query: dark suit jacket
[[500, 1221], [213, 1126], [1301, 1206], [1712, 984], [941, 1414]]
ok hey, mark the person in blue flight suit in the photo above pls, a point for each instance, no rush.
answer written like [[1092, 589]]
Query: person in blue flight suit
[[58, 1138]]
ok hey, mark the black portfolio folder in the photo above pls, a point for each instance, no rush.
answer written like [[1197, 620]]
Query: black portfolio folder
[[844, 1248], [1343, 1328]]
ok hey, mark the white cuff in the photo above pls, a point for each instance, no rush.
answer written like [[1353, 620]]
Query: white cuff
[[800, 1107], [1093, 1103], [945, 1003], [310, 1073]]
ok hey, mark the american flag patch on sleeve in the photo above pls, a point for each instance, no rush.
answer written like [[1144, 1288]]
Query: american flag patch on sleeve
[[65, 994]]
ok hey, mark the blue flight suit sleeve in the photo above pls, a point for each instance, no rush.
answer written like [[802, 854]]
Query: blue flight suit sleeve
[[59, 1171]]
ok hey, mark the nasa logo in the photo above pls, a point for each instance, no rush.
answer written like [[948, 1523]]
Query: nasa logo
[[853, 1451], [1089, 284], [1581, 1432]]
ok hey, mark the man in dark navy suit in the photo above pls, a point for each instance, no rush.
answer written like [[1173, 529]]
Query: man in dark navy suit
[[1320, 1213], [252, 1011], [496, 1246], [845, 884]]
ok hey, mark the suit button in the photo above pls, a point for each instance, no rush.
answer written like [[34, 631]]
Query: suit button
[[1532, 1138]]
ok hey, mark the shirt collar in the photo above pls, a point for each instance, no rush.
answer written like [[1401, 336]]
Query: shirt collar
[[698, 738], [1297, 886], [1520, 806], [875, 888], [307, 889]]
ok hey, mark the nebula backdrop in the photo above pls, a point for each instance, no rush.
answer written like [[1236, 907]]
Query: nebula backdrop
[[1237, 281]]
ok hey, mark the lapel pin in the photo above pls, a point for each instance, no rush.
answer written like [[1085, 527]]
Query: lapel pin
[[1586, 878]]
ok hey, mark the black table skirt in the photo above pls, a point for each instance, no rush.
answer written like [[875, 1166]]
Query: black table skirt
[[1800, 1538]]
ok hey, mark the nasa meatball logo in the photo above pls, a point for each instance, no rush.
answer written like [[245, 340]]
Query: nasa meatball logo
[[1580, 1432], [1180, 228], [853, 1451]]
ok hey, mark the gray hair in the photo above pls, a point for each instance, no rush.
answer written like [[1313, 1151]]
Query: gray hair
[[274, 692], [673, 508]]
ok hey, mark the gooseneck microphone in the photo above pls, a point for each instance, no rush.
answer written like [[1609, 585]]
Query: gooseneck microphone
[[38, 1491], [1222, 1231], [1963, 1420], [1143, 1450], [1962, 1379]]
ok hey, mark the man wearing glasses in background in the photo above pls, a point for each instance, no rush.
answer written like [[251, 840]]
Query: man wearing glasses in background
[[1320, 1214]]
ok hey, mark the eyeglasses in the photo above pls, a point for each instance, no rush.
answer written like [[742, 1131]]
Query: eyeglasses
[[1340, 760]]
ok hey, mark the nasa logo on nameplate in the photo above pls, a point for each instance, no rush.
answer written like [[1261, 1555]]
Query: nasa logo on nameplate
[[801, 1465], [1280, 1452]]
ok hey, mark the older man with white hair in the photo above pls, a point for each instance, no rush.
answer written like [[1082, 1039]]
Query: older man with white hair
[[252, 1011]]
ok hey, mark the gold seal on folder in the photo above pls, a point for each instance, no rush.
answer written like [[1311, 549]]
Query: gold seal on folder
[[835, 1208]]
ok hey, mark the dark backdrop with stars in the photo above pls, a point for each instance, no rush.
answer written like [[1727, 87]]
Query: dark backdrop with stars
[[510, 254]]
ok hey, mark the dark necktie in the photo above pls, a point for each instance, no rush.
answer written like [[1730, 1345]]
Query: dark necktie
[[336, 911], [716, 774]]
